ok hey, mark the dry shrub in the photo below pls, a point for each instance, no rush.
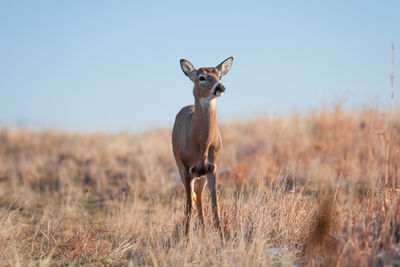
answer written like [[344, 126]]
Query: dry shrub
[[321, 240], [81, 242]]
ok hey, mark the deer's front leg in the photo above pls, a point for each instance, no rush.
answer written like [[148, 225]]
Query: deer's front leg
[[199, 199], [213, 186], [189, 184]]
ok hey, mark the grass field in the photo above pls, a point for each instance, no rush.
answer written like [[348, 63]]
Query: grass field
[[320, 189]]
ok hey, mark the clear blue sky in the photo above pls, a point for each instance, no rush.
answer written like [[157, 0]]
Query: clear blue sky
[[114, 65]]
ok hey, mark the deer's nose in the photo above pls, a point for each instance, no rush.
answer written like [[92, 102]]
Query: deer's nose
[[219, 88]]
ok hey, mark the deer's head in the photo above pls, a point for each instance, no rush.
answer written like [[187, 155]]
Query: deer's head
[[207, 81]]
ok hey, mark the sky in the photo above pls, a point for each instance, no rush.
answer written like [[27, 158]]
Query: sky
[[114, 65]]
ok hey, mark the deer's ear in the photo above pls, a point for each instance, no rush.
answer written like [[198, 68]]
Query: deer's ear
[[188, 69], [225, 66]]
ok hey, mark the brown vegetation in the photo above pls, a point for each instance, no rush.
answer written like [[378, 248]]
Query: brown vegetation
[[308, 190]]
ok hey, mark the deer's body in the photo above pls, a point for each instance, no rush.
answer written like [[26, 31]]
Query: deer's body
[[196, 139], [196, 136]]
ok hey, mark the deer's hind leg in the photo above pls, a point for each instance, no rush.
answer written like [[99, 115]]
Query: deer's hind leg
[[213, 187]]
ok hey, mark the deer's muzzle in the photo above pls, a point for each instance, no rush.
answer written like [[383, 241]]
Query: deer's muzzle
[[219, 89]]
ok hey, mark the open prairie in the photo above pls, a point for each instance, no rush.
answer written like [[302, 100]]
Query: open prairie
[[315, 189]]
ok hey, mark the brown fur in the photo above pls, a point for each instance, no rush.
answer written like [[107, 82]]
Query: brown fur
[[196, 140]]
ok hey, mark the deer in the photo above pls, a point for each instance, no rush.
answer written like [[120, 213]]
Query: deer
[[196, 139]]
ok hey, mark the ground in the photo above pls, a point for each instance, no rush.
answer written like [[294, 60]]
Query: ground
[[315, 189]]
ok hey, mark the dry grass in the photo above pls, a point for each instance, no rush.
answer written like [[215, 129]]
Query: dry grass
[[305, 190]]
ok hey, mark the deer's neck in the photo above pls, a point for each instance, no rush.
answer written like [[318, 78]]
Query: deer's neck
[[205, 115]]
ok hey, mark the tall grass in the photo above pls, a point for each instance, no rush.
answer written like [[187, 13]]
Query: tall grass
[[305, 190]]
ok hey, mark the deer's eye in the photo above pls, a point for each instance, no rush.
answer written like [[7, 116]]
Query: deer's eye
[[202, 78]]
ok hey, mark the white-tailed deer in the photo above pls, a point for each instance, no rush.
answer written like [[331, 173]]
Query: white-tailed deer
[[196, 140]]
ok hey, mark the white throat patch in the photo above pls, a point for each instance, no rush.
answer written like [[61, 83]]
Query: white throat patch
[[208, 102]]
